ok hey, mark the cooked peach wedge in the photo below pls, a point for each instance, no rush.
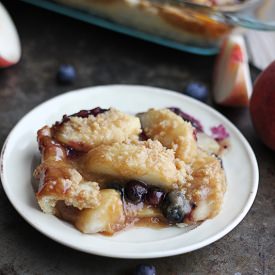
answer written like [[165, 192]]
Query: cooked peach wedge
[[171, 130], [147, 161], [84, 132], [103, 170]]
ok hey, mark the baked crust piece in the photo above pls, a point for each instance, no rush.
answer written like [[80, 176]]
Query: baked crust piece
[[85, 133], [59, 180], [147, 161], [172, 131]]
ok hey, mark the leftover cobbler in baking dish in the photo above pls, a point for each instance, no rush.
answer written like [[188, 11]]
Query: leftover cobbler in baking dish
[[104, 170], [177, 23]]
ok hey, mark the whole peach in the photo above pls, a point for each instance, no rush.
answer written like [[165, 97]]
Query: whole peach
[[262, 106]]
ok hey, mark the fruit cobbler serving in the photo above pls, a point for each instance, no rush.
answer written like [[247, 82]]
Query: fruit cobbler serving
[[104, 170]]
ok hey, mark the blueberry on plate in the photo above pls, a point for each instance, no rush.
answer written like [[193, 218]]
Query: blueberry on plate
[[197, 91], [66, 74], [135, 191], [143, 269], [175, 206]]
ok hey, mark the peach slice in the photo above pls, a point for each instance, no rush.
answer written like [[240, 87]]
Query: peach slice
[[232, 81], [10, 49]]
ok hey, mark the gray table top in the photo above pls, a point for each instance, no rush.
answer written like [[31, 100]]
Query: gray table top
[[103, 57]]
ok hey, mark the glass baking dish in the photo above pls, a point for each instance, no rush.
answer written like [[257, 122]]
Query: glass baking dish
[[188, 28]]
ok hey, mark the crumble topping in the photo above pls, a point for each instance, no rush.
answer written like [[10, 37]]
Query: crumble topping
[[85, 133], [144, 160]]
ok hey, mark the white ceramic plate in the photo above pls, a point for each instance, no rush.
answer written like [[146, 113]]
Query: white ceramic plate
[[20, 150]]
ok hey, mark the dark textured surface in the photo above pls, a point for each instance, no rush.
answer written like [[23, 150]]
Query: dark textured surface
[[103, 57]]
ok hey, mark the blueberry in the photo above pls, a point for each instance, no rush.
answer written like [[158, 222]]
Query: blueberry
[[66, 74], [143, 136], [135, 191], [96, 111], [197, 91], [85, 113], [175, 206], [143, 269], [154, 196], [73, 153]]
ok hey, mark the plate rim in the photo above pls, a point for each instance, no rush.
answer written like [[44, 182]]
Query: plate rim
[[156, 254]]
